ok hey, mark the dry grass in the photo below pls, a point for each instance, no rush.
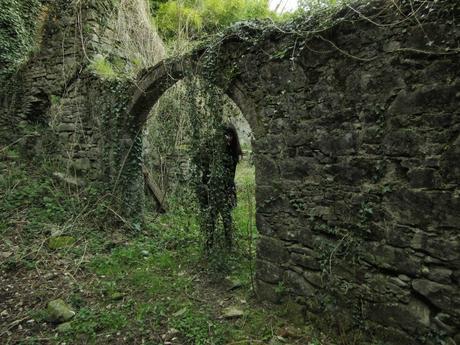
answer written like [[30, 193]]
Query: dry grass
[[136, 33]]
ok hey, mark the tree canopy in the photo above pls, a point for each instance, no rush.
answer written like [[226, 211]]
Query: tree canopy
[[204, 16]]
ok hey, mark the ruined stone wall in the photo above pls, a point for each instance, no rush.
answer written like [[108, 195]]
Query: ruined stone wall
[[66, 102], [48, 99], [357, 172]]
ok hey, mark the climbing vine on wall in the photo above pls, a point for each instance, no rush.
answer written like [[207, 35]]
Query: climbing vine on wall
[[18, 26]]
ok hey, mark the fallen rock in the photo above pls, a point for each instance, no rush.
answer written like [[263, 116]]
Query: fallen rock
[[232, 312], [59, 242], [233, 283], [56, 230], [116, 296], [59, 311], [170, 335], [289, 332], [77, 182], [277, 341]]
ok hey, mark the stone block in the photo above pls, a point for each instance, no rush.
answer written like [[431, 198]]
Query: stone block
[[272, 250], [392, 335], [338, 143], [439, 294], [425, 98], [445, 323], [295, 312], [266, 168], [385, 289], [440, 275], [305, 261], [315, 278], [449, 162], [412, 317], [403, 236], [280, 76], [355, 170], [268, 292], [424, 178], [298, 285], [268, 272], [420, 207], [401, 142], [397, 259], [372, 135], [297, 168], [263, 224]]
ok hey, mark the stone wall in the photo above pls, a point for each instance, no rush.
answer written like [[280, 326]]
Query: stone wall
[[357, 173], [66, 103]]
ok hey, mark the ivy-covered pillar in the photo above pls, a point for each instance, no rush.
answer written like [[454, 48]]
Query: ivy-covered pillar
[[130, 188], [122, 157]]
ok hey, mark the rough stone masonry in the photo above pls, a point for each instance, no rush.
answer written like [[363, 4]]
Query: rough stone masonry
[[356, 120]]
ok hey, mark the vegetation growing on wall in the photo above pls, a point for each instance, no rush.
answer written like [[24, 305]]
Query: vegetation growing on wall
[[19, 20], [137, 34]]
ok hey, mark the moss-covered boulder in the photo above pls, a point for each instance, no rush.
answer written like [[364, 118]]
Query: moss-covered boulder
[[59, 242], [59, 311]]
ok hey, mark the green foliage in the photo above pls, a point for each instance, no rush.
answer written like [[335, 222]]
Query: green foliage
[[35, 201], [199, 328], [103, 68], [18, 24], [155, 5], [38, 200], [310, 4], [162, 268], [206, 16], [173, 15], [89, 322], [246, 188]]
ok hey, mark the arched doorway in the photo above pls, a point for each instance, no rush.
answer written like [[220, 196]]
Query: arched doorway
[[165, 82], [170, 156]]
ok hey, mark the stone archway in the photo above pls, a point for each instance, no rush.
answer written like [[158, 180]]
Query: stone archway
[[153, 82]]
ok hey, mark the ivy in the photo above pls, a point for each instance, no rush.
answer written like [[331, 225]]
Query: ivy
[[18, 25]]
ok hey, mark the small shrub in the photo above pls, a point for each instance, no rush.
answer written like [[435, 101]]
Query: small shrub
[[103, 68]]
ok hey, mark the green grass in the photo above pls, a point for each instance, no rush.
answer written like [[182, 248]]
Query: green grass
[[103, 68], [244, 215], [156, 277], [136, 289]]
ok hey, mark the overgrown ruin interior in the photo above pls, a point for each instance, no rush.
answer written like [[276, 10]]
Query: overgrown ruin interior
[[357, 149]]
